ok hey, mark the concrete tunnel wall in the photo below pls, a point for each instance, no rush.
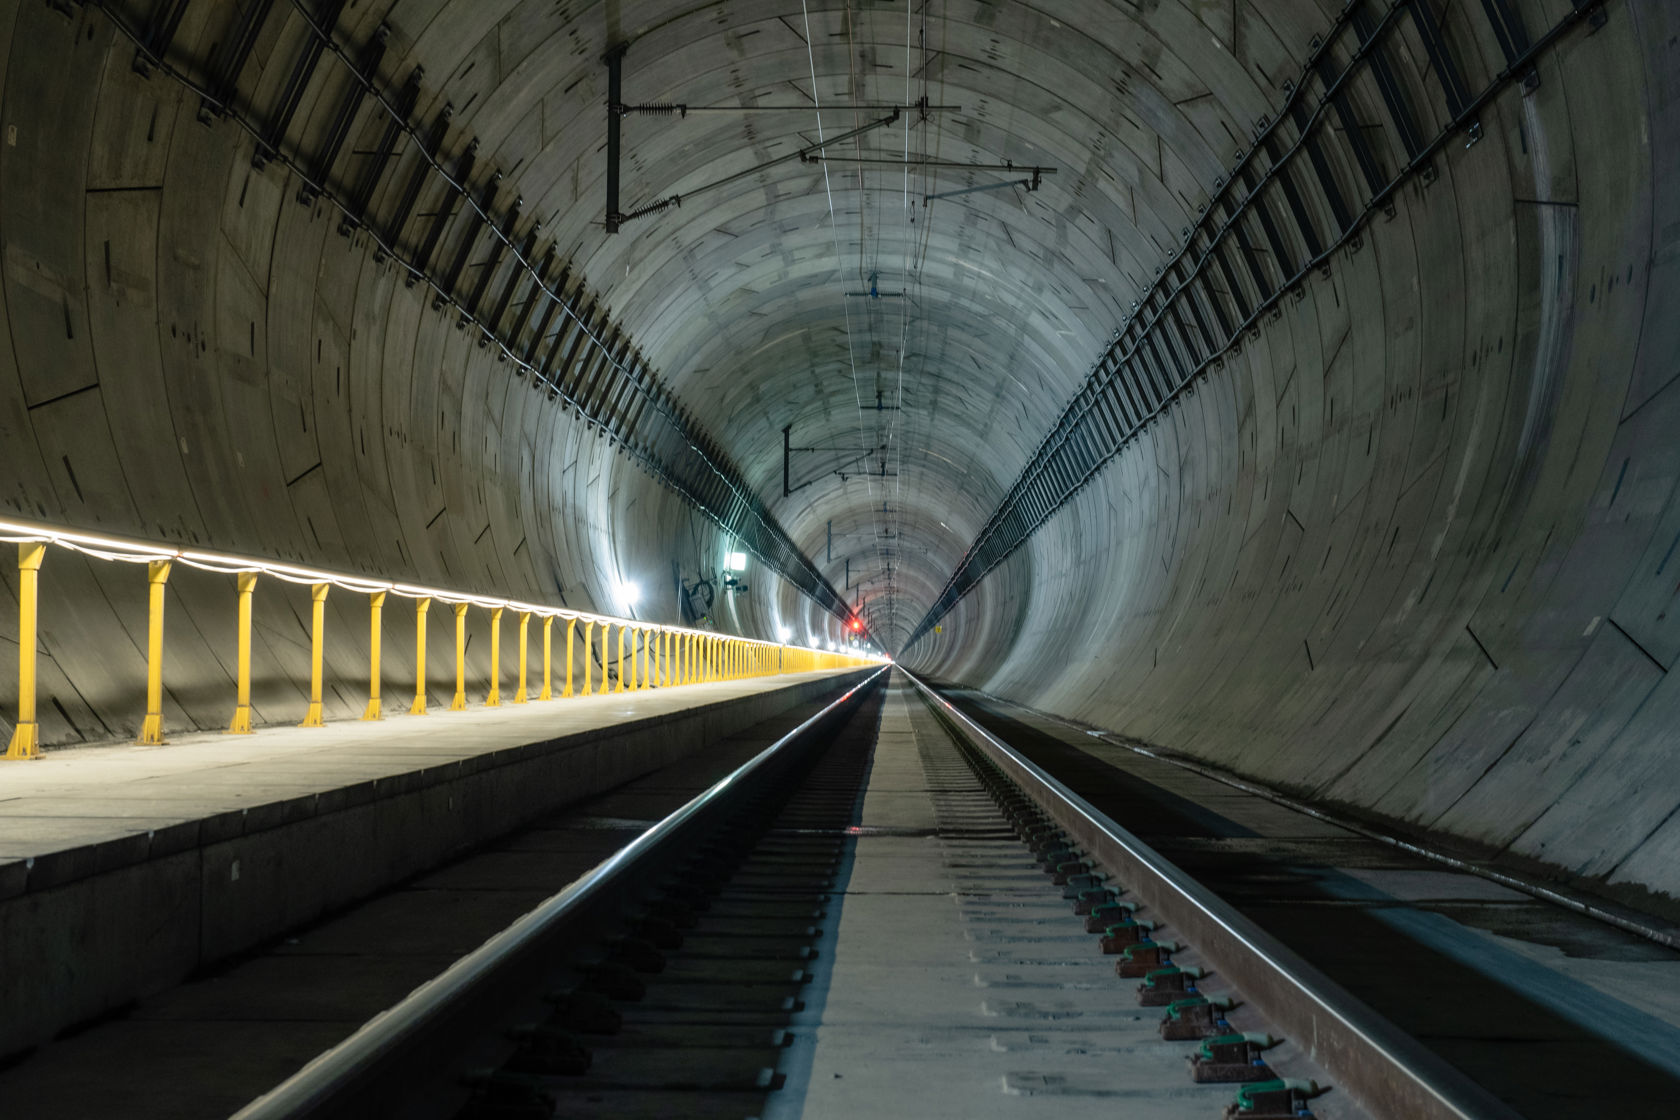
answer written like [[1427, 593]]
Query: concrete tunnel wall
[[1413, 549], [1409, 550], [155, 382]]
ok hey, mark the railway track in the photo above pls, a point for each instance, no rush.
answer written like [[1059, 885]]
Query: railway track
[[677, 978]]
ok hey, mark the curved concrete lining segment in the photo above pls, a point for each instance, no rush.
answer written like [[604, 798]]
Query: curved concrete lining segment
[[1410, 548]]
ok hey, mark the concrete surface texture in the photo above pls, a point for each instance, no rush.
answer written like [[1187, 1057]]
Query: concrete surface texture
[[960, 983], [1409, 548]]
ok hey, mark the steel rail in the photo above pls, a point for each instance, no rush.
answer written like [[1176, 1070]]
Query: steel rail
[[350, 1065], [1385, 1069]]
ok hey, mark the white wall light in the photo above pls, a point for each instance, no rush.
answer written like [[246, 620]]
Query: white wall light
[[628, 593], [736, 561]]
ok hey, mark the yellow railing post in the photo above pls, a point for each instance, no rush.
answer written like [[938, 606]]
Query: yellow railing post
[[589, 657], [635, 656], [650, 657], [571, 625], [157, 576], [547, 692], [241, 723], [621, 629], [26, 735], [421, 606], [494, 700], [520, 696], [460, 701], [317, 643], [376, 611]]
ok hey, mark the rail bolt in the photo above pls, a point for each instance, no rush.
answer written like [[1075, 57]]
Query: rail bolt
[[1231, 1057]]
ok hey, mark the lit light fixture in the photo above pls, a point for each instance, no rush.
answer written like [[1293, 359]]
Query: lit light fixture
[[783, 634], [736, 562], [628, 593]]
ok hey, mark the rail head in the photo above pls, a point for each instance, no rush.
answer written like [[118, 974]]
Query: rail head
[[1388, 1071], [332, 1074]]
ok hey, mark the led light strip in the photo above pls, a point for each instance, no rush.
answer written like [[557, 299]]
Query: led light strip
[[125, 550]]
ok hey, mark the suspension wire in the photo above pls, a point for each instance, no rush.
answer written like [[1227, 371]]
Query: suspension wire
[[834, 230]]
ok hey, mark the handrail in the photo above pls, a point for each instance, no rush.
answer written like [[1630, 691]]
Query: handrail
[[1385, 1068], [334, 1071], [667, 656]]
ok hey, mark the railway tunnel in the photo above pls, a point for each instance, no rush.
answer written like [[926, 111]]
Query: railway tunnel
[[1284, 388]]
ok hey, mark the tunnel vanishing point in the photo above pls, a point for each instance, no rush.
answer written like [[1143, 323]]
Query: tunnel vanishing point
[[1289, 385]]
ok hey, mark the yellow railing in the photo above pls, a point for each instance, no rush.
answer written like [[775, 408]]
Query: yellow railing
[[659, 656]]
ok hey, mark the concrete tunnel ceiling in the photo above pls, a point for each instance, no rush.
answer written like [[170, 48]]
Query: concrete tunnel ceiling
[[1386, 522], [925, 347]]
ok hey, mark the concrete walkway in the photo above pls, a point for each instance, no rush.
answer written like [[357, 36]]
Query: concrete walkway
[[125, 868], [961, 984], [89, 796]]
